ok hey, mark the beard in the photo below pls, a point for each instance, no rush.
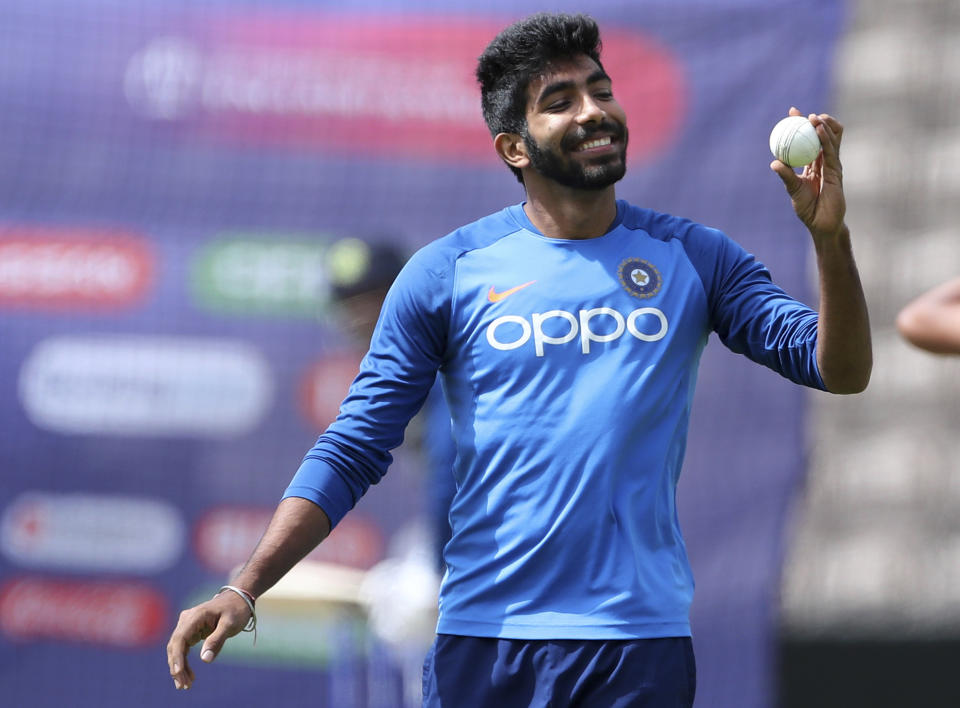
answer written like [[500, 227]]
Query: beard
[[555, 164]]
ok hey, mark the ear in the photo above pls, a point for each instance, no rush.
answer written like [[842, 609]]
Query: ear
[[512, 150]]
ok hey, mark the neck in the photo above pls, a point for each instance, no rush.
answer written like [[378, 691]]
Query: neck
[[562, 212]]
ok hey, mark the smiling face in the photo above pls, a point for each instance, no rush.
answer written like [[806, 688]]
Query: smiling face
[[576, 132]]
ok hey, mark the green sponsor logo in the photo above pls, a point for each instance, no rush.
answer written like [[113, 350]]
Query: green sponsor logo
[[249, 275]]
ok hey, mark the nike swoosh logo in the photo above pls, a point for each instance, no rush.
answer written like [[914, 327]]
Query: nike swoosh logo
[[494, 296]]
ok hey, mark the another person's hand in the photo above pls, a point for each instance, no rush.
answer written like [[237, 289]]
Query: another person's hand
[[817, 192], [932, 320], [212, 623]]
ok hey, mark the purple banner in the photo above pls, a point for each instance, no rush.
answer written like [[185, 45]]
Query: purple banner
[[176, 178]]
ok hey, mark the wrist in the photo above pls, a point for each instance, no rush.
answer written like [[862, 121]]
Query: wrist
[[250, 601], [248, 596], [832, 242]]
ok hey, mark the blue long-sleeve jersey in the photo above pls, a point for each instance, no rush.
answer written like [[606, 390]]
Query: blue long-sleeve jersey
[[569, 369]]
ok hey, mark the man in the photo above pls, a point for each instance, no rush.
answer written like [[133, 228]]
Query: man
[[361, 273], [567, 331], [932, 320]]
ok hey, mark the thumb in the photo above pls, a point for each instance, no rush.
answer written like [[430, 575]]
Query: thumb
[[229, 623], [214, 643], [210, 650], [786, 173]]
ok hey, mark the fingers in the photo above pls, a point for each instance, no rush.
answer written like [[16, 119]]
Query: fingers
[[821, 118], [817, 191], [180, 670], [192, 627], [827, 165], [830, 122], [212, 623], [830, 132]]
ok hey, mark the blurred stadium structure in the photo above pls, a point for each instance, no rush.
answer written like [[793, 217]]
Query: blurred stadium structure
[[871, 590], [173, 178]]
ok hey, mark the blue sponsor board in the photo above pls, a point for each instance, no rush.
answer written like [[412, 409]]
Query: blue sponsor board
[[174, 174]]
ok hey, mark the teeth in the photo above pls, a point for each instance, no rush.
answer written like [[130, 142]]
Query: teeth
[[599, 142]]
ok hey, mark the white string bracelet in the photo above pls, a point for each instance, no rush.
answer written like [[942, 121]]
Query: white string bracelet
[[249, 599]]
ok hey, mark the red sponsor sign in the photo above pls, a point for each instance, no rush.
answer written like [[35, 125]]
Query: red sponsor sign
[[324, 386], [72, 268], [117, 614], [225, 537], [364, 84]]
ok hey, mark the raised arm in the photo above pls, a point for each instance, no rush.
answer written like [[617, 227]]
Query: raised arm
[[844, 352], [932, 321], [297, 527]]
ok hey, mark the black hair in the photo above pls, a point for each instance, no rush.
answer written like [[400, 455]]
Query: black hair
[[521, 53]]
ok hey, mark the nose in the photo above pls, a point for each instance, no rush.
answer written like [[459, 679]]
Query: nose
[[590, 110]]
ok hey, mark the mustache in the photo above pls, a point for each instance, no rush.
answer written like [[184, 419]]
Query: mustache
[[615, 130]]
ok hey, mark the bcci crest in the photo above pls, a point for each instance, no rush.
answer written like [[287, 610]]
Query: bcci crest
[[640, 278]]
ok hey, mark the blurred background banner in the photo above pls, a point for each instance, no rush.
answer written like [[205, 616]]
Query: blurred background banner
[[174, 179]]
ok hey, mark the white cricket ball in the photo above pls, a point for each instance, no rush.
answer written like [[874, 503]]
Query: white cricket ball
[[794, 141]]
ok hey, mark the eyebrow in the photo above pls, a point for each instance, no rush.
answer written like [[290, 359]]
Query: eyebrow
[[598, 75]]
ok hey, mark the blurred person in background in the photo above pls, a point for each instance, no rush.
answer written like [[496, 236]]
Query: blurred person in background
[[932, 320], [400, 592], [568, 330], [361, 273]]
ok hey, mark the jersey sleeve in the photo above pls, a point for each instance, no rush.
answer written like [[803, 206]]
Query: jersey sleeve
[[750, 314], [395, 377]]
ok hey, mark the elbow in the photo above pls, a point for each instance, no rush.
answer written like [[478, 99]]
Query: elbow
[[851, 379], [851, 386]]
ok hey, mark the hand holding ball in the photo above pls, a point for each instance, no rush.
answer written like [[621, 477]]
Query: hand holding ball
[[794, 141]]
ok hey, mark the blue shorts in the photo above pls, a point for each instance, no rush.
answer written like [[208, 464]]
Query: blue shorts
[[476, 672]]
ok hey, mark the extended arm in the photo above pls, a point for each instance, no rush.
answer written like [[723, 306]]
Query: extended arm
[[352, 454], [932, 321], [297, 527], [844, 352]]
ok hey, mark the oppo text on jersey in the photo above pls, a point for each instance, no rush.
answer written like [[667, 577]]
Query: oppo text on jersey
[[579, 326]]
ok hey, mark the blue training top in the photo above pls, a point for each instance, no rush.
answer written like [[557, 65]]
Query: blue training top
[[569, 368]]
